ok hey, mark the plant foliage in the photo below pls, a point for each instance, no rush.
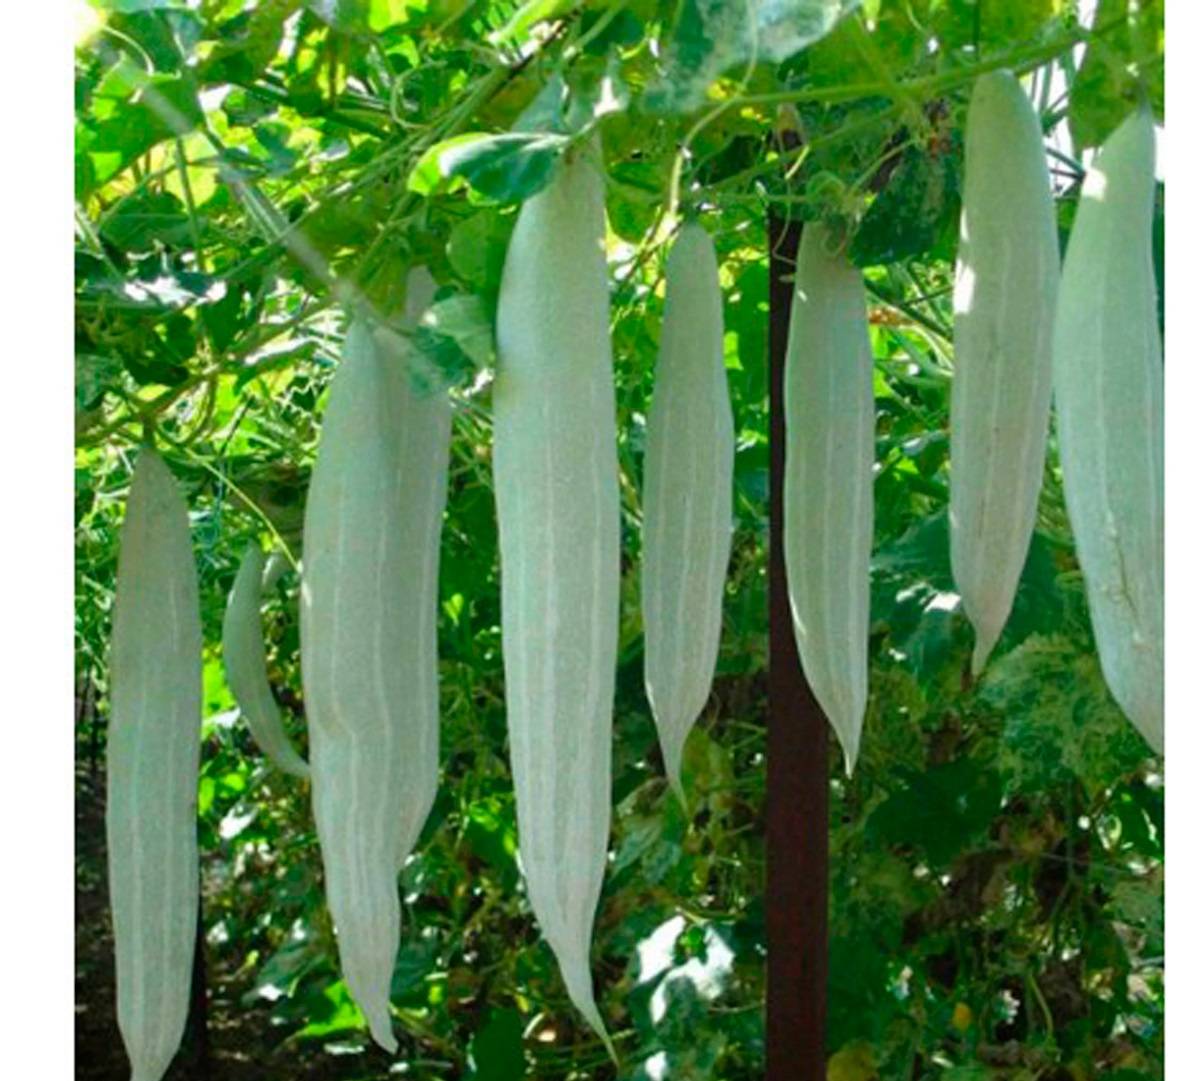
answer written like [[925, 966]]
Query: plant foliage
[[248, 173]]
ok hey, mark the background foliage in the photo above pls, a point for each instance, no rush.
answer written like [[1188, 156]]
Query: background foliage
[[245, 171]]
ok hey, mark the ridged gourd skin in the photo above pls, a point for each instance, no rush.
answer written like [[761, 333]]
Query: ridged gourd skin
[[828, 513], [1108, 395], [687, 503], [1006, 285], [153, 762], [244, 650], [557, 498], [368, 632]]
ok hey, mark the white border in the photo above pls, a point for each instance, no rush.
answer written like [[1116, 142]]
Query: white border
[[37, 793], [1183, 552]]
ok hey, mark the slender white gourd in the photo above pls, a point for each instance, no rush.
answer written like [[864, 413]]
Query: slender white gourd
[[1004, 295], [829, 407], [244, 650], [153, 768], [558, 507], [368, 627], [688, 498], [1108, 392]]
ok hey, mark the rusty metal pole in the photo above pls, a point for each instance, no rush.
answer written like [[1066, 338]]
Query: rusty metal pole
[[797, 758]]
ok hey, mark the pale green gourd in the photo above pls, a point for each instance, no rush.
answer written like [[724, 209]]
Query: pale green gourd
[[244, 650], [1108, 396], [687, 502], [1005, 289], [368, 626], [558, 506], [829, 407], [153, 760]]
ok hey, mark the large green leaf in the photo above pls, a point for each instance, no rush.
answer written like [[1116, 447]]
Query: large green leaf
[[940, 811], [162, 107], [712, 36], [495, 1052], [508, 168]]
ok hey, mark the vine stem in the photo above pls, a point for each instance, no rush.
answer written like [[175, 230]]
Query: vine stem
[[288, 554], [1021, 61], [734, 99]]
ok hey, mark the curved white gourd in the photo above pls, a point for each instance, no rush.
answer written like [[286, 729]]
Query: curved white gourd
[[558, 507], [244, 650], [828, 514], [153, 768], [368, 627], [688, 497], [1108, 397], [1004, 295]]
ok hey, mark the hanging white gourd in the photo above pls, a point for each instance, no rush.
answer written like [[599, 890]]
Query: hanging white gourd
[[1005, 289], [687, 501], [244, 650], [153, 761], [368, 640], [558, 505], [829, 408], [1108, 396]]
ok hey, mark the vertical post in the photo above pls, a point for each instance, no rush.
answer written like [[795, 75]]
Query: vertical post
[[797, 761]]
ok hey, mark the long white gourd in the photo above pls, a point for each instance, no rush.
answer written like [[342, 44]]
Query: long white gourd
[[687, 503], [829, 407], [557, 500], [1108, 393], [368, 627], [153, 768], [1004, 295], [244, 650]]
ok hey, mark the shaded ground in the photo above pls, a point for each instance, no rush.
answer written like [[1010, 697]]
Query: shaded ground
[[242, 1045]]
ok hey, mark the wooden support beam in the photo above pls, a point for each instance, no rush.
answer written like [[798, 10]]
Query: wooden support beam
[[797, 761]]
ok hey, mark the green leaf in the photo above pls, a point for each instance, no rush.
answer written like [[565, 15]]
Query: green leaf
[[415, 962], [546, 111], [244, 108], [1117, 70], [94, 374], [495, 1052], [165, 106], [941, 811], [333, 1011], [386, 14], [491, 831], [529, 15], [283, 970], [916, 211], [476, 249], [465, 320], [711, 36], [1059, 719], [348, 16], [508, 168], [453, 340], [146, 218]]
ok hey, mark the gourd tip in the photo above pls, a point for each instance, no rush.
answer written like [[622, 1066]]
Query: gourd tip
[[610, 1048], [849, 753], [601, 1031], [585, 1002], [676, 782], [382, 1034]]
